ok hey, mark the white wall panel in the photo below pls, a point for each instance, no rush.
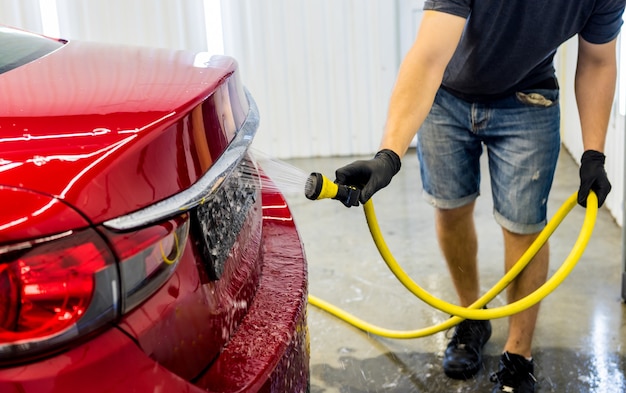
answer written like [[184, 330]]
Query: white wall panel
[[410, 14], [176, 24], [615, 148], [23, 14], [321, 71]]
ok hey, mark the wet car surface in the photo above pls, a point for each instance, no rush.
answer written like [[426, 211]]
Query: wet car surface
[[142, 246]]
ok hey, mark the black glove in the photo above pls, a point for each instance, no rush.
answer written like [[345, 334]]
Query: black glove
[[369, 175], [593, 177]]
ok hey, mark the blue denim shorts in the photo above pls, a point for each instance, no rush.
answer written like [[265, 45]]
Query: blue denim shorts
[[521, 135]]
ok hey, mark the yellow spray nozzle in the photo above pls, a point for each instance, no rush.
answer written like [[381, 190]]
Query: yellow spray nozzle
[[319, 187]]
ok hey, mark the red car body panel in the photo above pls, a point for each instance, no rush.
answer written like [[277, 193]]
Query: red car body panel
[[29, 215], [275, 311], [268, 353], [92, 132], [106, 121], [193, 315]]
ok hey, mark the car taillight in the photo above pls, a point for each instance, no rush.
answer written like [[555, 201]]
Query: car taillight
[[148, 257], [9, 297], [56, 290], [53, 291]]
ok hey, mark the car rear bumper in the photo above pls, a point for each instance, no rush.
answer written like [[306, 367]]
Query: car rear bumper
[[268, 353], [276, 321]]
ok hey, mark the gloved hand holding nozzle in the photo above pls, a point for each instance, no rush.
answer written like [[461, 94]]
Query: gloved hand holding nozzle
[[370, 175], [593, 177], [355, 182]]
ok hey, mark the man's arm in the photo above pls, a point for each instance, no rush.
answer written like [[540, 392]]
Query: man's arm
[[419, 78], [596, 74]]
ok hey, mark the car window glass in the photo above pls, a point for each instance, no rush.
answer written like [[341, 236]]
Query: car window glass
[[18, 48]]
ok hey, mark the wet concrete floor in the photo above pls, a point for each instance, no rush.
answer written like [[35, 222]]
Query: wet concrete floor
[[579, 340]]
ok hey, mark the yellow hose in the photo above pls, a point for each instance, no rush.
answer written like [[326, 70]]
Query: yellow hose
[[474, 311]]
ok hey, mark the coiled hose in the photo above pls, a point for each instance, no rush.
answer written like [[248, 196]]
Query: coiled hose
[[319, 187]]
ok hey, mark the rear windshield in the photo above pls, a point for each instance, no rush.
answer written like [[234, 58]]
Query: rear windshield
[[18, 48]]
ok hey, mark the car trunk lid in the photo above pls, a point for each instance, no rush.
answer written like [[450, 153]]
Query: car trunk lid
[[83, 105]]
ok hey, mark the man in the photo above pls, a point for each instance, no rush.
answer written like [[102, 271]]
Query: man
[[480, 75]]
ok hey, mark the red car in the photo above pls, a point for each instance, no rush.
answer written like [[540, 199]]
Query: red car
[[142, 248]]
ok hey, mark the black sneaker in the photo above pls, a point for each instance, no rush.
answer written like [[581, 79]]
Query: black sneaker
[[515, 375], [463, 356]]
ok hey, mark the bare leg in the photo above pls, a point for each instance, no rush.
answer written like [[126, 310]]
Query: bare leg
[[458, 242], [457, 238], [522, 325]]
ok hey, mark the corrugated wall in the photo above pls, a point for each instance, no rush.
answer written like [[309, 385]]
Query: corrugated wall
[[177, 24], [159, 23], [321, 71], [21, 13]]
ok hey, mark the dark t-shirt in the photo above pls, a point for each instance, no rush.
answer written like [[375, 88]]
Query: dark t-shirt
[[509, 45]]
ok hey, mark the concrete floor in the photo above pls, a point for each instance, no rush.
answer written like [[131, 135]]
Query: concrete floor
[[579, 339]]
